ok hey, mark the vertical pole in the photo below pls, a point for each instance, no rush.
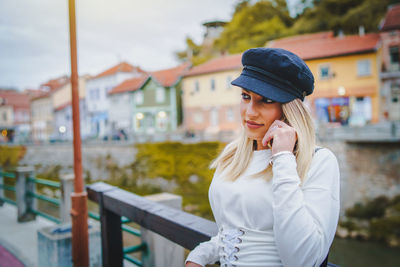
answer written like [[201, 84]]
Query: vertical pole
[[80, 237], [67, 187], [25, 203], [1, 188]]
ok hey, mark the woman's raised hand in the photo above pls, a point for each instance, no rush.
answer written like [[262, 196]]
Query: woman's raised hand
[[284, 137], [192, 264]]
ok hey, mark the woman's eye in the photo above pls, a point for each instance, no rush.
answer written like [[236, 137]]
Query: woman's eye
[[245, 96]]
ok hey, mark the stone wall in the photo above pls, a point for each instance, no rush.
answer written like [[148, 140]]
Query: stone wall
[[367, 170]]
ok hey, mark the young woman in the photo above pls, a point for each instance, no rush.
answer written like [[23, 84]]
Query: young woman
[[274, 194]]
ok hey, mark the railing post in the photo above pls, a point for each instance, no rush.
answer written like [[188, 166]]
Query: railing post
[[161, 251], [25, 203], [67, 187], [1, 187], [111, 231]]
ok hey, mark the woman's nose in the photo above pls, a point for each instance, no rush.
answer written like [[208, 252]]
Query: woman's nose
[[251, 110]]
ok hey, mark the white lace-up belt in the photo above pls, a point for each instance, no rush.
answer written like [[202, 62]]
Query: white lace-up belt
[[241, 247]]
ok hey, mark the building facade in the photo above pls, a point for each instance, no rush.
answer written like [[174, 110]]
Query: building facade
[[14, 116], [97, 100], [347, 75], [148, 104], [62, 99], [390, 75], [210, 102]]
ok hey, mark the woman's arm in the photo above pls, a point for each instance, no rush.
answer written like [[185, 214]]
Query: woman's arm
[[205, 252], [305, 218]]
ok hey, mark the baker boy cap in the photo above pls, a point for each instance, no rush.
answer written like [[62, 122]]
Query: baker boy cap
[[276, 74]]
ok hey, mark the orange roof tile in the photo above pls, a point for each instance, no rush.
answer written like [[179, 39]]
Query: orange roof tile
[[223, 63], [121, 67], [55, 83], [326, 45], [169, 77], [392, 18], [15, 99], [130, 85]]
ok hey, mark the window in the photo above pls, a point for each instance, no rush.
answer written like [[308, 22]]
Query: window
[[198, 117], [139, 97], [394, 55], [196, 86], [228, 82], [160, 95], [394, 58], [364, 67], [324, 72], [229, 114], [212, 84], [214, 117]]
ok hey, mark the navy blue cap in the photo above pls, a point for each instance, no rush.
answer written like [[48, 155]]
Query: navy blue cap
[[276, 74]]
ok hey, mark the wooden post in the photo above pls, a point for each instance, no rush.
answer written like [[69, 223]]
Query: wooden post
[[162, 252], [67, 187], [25, 203], [1, 188], [111, 232], [111, 236]]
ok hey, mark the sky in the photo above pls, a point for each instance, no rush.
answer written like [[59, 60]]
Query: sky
[[34, 35]]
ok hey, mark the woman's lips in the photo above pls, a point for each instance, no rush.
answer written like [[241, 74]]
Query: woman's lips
[[253, 125]]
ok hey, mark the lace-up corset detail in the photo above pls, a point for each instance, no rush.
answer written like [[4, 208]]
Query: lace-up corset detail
[[229, 240]]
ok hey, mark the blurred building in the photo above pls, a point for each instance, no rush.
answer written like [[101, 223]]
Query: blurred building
[[210, 102], [14, 116], [42, 110], [147, 104], [347, 75], [97, 100], [62, 109], [390, 75]]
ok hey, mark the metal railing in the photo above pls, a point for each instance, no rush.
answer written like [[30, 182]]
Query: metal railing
[[27, 188], [130, 230]]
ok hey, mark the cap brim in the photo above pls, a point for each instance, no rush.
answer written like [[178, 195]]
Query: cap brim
[[263, 88]]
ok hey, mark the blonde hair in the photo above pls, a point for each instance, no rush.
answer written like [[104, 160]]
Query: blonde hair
[[235, 157]]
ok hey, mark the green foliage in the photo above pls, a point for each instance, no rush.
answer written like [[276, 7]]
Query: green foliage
[[254, 25], [379, 218], [173, 162], [345, 15], [11, 155], [177, 162], [372, 209], [384, 229]]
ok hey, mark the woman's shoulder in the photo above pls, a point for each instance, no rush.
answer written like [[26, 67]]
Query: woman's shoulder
[[323, 154], [324, 167]]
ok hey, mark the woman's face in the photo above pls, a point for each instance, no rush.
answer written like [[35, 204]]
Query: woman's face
[[258, 113]]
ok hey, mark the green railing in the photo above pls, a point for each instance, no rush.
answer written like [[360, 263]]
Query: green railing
[[56, 201], [130, 230], [11, 176], [49, 183]]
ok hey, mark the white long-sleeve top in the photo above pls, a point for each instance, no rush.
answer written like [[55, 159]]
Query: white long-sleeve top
[[302, 219]]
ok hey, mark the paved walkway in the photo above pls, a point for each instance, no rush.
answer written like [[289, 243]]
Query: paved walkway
[[20, 238]]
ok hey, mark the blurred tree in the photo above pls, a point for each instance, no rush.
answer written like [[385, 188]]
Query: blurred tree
[[345, 15], [253, 25]]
